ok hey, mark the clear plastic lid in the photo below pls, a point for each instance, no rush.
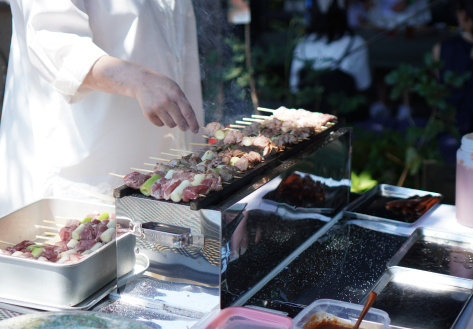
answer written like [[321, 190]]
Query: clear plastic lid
[[243, 318], [467, 143], [342, 313]]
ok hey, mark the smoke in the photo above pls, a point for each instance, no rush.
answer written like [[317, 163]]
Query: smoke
[[223, 100]]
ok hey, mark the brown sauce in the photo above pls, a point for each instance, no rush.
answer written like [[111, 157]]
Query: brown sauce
[[324, 324]]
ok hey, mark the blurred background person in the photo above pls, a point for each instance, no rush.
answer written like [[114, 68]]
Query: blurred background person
[[330, 47]]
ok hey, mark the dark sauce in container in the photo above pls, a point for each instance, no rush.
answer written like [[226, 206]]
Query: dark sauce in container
[[324, 324]]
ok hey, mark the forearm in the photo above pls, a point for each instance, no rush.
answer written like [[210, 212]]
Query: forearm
[[114, 76], [161, 99]]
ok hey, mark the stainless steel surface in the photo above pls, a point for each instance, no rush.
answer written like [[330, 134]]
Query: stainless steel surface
[[49, 285], [168, 235], [156, 317], [381, 194], [249, 233], [342, 264], [89, 302], [419, 299], [438, 252]]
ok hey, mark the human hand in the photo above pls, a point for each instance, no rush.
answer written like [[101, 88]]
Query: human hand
[[161, 99], [164, 103], [399, 6]]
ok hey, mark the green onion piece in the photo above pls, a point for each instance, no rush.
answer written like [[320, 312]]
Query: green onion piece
[[103, 216], [146, 187], [234, 160], [87, 219], [220, 134], [36, 252], [34, 246]]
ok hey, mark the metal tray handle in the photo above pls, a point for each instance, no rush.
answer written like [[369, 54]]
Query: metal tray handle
[[168, 235]]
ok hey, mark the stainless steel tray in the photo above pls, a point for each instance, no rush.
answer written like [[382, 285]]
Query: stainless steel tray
[[438, 252], [371, 204], [49, 285], [421, 300]]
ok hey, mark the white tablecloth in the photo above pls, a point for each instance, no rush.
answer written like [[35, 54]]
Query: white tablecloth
[[443, 219]]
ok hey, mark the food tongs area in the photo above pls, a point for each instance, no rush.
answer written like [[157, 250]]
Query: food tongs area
[[283, 238]]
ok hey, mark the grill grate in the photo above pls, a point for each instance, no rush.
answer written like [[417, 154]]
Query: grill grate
[[7, 314]]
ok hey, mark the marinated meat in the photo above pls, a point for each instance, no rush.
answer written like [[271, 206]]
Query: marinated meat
[[136, 179]]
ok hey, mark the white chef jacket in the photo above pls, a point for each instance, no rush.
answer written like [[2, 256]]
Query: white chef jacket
[[325, 55], [58, 138]]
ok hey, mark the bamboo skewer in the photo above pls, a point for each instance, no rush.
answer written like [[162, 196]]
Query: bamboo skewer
[[159, 159], [202, 195], [121, 176], [43, 237], [181, 151], [63, 217], [202, 127], [146, 170], [243, 122], [174, 155], [263, 109], [9, 243], [236, 177], [254, 120], [205, 136], [199, 144], [260, 116], [46, 227], [226, 183], [149, 164], [51, 233], [53, 222], [237, 126]]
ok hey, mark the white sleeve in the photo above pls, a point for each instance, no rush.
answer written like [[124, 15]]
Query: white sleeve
[[59, 41], [296, 66], [357, 64]]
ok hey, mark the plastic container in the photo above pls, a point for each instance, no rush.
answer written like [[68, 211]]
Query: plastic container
[[464, 184], [243, 318], [342, 313]]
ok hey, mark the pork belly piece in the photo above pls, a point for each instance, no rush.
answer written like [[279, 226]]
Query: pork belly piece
[[169, 186], [61, 246], [21, 246], [211, 128], [84, 245], [233, 137], [174, 163], [156, 188], [88, 232], [102, 227], [50, 252], [242, 164], [261, 142], [161, 167], [65, 233], [5, 252], [136, 179], [254, 157], [192, 192]]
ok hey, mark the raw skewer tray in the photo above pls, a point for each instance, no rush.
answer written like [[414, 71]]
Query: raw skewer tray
[[57, 286], [437, 252], [371, 205], [421, 300], [246, 178]]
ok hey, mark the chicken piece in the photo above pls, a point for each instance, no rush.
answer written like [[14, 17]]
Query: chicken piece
[[211, 128]]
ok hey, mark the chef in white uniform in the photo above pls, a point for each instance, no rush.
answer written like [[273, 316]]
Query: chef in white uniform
[[88, 83]]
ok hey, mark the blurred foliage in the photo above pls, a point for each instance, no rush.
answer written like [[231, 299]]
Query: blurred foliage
[[395, 157], [362, 183]]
